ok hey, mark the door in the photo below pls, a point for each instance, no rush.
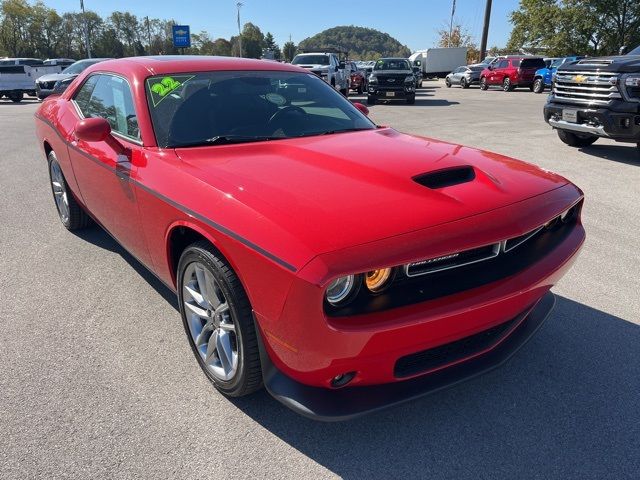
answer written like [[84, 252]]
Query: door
[[498, 73], [105, 178]]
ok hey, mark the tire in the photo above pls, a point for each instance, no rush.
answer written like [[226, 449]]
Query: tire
[[359, 90], [576, 139], [371, 100], [71, 214], [483, 83], [345, 92], [16, 97], [538, 86], [507, 85], [447, 82], [235, 331], [411, 100], [463, 83]]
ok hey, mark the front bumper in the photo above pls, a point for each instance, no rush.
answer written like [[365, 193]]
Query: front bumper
[[618, 124], [391, 93], [349, 402]]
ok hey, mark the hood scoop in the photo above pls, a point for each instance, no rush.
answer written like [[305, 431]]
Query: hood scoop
[[446, 177]]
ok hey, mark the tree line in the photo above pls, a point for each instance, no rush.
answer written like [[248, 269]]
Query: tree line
[[35, 30], [570, 27]]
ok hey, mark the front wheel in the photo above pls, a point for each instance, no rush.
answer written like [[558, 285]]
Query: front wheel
[[576, 139], [371, 100], [411, 100], [71, 214], [464, 83], [538, 86], [447, 82], [345, 91], [359, 90], [217, 318], [483, 84]]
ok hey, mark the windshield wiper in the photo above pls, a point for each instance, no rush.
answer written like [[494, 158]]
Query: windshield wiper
[[227, 139], [331, 132]]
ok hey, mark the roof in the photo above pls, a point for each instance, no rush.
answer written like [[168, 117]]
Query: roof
[[170, 64]]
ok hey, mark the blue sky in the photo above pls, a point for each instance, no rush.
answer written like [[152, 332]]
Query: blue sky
[[412, 22]]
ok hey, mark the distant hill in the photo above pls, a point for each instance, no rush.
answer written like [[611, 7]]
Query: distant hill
[[361, 43]]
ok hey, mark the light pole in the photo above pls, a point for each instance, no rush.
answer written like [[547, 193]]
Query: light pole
[[86, 29], [485, 30], [453, 12], [239, 4]]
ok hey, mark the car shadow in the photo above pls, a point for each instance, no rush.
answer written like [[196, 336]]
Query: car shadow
[[25, 101], [628, 154], [566, 406], [100, 238]]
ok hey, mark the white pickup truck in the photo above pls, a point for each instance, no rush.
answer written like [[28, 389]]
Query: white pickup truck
[[328, 67], [18, 76]]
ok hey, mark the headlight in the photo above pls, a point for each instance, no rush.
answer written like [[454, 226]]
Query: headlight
[[373, 79], [410, 78], [631, 87], [62, 84], [632, 81], [342, 290], [378, 280]]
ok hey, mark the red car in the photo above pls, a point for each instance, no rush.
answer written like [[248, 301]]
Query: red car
[[344, 282], [358, 80], [511, 73]]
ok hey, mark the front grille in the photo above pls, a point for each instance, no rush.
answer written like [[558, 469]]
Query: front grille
[[47, 85], [453, 260], [448, 353], [586, 87]]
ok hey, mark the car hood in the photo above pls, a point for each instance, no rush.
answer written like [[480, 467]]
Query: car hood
[[314, 66], [55, 77], [392, 72], [617, 63], [335, 191]]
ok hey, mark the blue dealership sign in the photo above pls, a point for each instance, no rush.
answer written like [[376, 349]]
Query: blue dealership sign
[[181, 36]]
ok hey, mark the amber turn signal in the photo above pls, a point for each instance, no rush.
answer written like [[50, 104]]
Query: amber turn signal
[[377, 280]]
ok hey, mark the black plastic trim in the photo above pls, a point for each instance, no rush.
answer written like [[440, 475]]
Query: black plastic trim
[[346, 403]]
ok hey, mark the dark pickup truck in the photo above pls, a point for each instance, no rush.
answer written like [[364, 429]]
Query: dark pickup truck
[[596, 97]]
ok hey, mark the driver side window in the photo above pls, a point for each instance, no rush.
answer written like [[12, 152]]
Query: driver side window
[[109, 97]]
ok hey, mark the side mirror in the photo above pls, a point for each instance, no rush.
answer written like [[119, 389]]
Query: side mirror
[[490, 67], [342, 65], [98, 130], [361, 107], [623, 50]]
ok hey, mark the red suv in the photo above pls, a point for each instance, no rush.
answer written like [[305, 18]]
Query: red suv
[[511, 72]]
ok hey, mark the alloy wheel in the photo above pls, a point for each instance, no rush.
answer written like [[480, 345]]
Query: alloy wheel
[[60, 193], [211, 324]]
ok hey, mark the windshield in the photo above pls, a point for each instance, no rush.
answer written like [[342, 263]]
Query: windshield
[[78, 67], [392, 64], [635, 51], [311, 60], [231, 107]]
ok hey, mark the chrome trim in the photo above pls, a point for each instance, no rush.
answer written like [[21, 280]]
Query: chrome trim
[[578, 127], [494, 254]]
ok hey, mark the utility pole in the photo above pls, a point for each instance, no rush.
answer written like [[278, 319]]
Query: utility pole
[[453, 12], [148, 34], [485, 30], [239, 4], [86, 29]]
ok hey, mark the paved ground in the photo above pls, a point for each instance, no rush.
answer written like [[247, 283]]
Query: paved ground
[[97, 379]]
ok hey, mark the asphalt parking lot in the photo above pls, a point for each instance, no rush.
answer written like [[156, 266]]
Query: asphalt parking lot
[[98, 380]]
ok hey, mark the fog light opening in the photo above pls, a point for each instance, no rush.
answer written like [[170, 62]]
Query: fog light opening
[[342, 379]]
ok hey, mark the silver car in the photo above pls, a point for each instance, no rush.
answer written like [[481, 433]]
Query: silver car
[[464, 76], [58, 82]]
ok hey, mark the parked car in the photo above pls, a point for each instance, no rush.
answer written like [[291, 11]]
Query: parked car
[[511, 73], [544, 76], [464, 76], [392, 79], [358, 78], [58, 82], [596, 97], [327, 66], [345, 266], [18, 76]]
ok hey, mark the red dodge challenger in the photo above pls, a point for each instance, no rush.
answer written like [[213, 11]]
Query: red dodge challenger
[[343, 265]]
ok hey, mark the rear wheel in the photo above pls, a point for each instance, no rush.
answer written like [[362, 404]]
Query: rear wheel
[[507, 86], [538, 86], [483, 84], [16, 97], [71, 214], [371, 100], [217, 318], [576, 139]]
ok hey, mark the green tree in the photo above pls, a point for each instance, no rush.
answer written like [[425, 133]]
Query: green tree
[[289, 51], [221, 47], [270, 45], [460, 37], [252, 41]]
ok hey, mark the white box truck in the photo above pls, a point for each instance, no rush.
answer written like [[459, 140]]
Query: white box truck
[[438, 62]]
